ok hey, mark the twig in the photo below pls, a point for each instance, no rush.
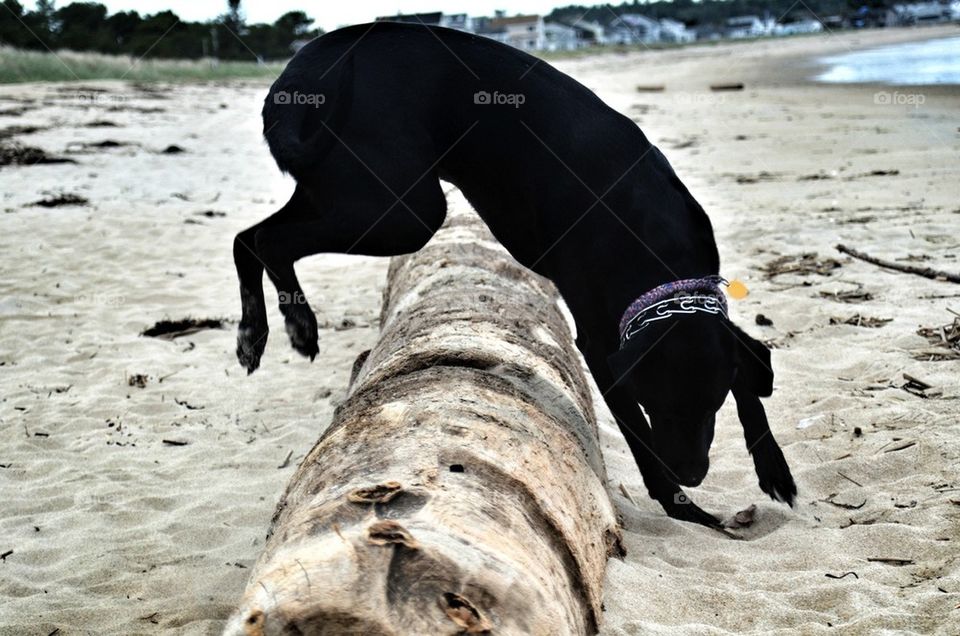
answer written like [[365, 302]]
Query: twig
[[920, 383], [845, 506], [890, 560], [286, 462], [901, 447], [727, 533], [852, 481], [926, 272], [188, 406], [626, 493], [840, 576]]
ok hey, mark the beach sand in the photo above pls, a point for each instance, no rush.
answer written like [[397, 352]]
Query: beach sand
[[139, 509]]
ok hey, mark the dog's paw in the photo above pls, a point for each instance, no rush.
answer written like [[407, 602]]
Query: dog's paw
[[774, 473], [681, 508], [301, 326], [251, 342]]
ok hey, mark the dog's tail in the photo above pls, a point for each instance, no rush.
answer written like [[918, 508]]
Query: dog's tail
[[302, 120]]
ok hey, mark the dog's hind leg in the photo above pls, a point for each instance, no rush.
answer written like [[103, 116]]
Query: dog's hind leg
[[252, 333], [369, 224]]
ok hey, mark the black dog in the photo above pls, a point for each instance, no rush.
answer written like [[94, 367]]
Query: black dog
[[368, 120]]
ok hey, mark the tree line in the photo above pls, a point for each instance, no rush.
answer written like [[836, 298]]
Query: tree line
[[88, 26]]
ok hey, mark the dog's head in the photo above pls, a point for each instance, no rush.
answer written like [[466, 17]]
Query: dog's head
[[680, 371]]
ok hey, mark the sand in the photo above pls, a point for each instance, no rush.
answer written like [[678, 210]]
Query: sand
[[113, 529]]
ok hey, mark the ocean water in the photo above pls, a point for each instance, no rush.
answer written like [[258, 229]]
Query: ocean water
[[930, 62]]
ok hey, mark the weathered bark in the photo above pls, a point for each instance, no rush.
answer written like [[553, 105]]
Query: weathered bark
[[460, 487]]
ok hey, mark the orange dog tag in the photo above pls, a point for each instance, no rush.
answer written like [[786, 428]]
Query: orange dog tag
[[737, 290]]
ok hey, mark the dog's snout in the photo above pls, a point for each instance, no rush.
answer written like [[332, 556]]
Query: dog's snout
[[691, 474]]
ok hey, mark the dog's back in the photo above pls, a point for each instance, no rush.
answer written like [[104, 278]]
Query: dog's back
[[491, 119]]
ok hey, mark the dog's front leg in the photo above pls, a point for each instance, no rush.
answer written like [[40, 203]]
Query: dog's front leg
[[636, 431], [771, 466], [656, 475]]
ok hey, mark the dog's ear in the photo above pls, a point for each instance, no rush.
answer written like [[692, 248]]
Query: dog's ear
[[753, 364]]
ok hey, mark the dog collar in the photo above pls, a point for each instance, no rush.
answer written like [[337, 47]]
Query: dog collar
[[686, 296]]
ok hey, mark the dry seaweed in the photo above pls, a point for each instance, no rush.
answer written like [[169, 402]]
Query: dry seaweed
[[857, 295], [15, 154], [800, 264], [945, 340], [858, 320], [170, 329], [13, 131], [61, 200]]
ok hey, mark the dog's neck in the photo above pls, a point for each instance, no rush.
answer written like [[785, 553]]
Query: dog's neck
[[680, 297], [670, 243]]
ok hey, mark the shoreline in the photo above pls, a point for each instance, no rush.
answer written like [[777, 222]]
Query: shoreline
[[766, 62]]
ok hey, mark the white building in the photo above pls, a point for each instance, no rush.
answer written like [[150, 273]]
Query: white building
[[800, 26], [459, 21], [675, 31], [747, 26], [560, 37], [591, 33], [524, 32], [920, 13], [633, 28]]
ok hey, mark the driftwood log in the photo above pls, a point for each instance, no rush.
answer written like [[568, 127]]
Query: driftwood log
[[460, 486]]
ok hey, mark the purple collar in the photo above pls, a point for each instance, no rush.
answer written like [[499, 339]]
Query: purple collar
[[678, 297]]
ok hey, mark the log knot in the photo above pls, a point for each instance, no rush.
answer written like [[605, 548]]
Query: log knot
[[462, 612], [388, 532], [381, 493]]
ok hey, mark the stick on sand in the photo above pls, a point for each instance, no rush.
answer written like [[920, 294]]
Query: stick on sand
[[926, 272]]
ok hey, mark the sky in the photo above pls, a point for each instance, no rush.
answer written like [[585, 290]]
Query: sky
[[329, 14]]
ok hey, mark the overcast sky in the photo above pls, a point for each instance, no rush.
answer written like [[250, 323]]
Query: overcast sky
[[328, 14]]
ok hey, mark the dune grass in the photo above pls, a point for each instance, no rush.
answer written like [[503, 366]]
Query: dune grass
[[17, 65]]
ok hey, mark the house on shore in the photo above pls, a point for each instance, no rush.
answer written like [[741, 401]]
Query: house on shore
[[525, 32], [633, 28], [747, 26], [920, 13], [797, 27], [675, 32], [560, 37], [459, 21]]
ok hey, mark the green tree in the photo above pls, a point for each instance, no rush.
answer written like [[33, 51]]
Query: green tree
[[81, 26], [122, 27], [43, 16], [12, 29]]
